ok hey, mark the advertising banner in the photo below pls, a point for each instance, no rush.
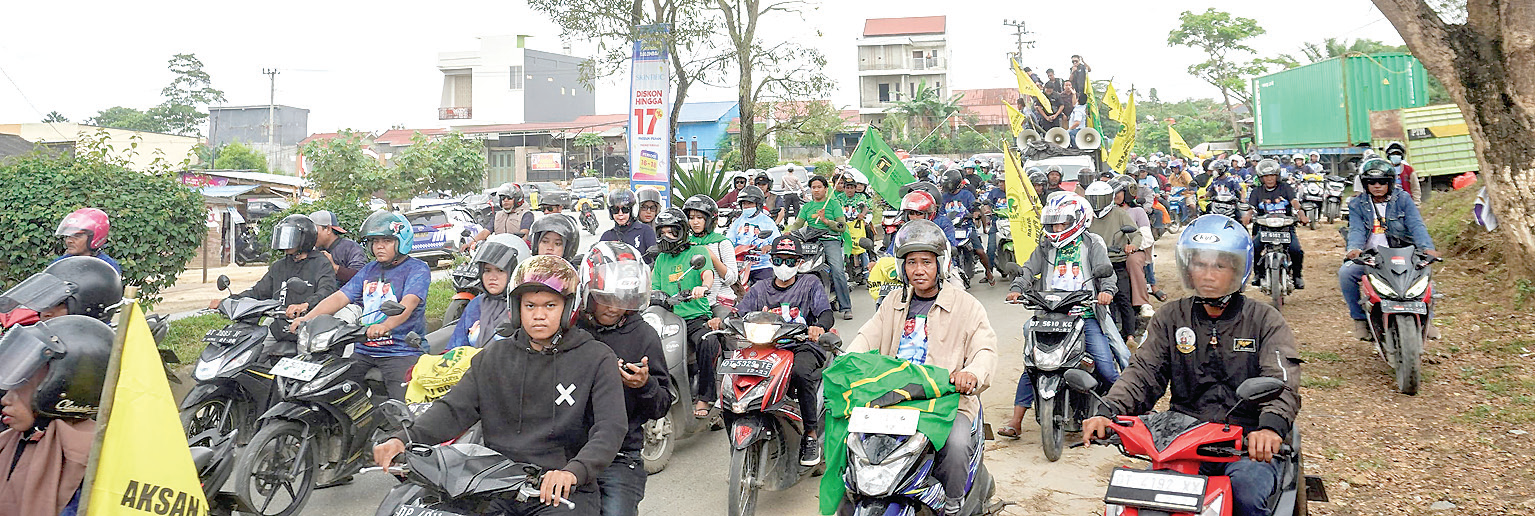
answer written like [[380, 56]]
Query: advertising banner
[[546, 161], [649, 132]]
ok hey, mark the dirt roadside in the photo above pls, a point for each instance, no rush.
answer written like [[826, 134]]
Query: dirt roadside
[[190, 293]]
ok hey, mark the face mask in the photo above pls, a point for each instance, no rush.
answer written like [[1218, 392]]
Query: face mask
[[784, 272], [1396, 159]]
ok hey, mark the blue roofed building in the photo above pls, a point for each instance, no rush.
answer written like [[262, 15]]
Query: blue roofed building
[[702, 126]]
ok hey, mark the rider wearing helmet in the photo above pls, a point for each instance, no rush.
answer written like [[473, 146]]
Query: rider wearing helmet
[[1272, 196], [1202, 347], [554, 202], [75, 285], [1396, 153], [928, 324], [920, 205], [1222, 181], [1109, 220], [510, 218], [702, 216], [824, 212], [621, 206], [544, 393], [1038, 180], [1314, 162], [798, 298], [729, 199], [295, 236], [673, 275], [769, 204], [617, 286], [1068, 258], [83, 233], [747, 230], [52, 374], [1380, 216], [476, 326], [393, 276], [959, 204], [649, 206], [555, 235], [1296, 168]]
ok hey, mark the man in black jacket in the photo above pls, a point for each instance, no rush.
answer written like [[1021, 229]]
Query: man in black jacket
[[345, 255], [295, 236], [546, 393]]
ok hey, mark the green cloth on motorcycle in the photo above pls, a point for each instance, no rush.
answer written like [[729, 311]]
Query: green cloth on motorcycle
[[874, 380]]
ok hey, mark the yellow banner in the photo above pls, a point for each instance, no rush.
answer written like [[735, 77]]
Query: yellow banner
[[143, 465], [1026, 86], [1111, 101], [1176, 140], [1015, 119], [1025, 207], [1125, 140]]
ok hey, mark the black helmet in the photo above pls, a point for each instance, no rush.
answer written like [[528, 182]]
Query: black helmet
[[499, 254], [560, 225], [762, 178], [703, 204], [923, 186], [559, 197], [85, 285], [952, 179], [752, 195], [622, 200], [1038, 178], [678, 241], [76, 350], [1375, 169], [296, 232], [1220, 166]]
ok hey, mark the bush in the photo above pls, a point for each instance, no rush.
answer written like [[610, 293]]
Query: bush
[[238, 156], [348, 212], [824, 168], [767, 156], [731, 160], [157, 223]]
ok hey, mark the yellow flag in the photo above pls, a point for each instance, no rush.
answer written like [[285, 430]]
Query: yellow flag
[[1177, 142], [1125, 140], [143, 465], [1111, 101], [1026, 86], [1025, 206], [1015, 119]]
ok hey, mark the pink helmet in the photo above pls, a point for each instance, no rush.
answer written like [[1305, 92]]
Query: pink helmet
[[90, 220], [1065, 208]]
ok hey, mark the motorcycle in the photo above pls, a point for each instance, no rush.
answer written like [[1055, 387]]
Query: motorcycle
[[321, 431], [890, 222], [1176, 445], [964, 258], [1055, 342], [812, 242], [1275, 231], [213, 457], [249, 248], [763, 420], [890, 469], [1333, 206], [1005, 253], [588, 219], [1312, 197], [1397, 292], [454, 478], [661, 435], [1227, 204]]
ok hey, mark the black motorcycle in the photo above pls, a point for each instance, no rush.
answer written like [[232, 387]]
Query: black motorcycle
[[1056, 342], [1274, 232], [813, 241], [1397, 291], [213, 455], [250, 248]]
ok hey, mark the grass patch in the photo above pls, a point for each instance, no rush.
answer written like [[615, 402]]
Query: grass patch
[[1510, 347], [1448, 214], [1321, 356], [185, 336], [1320, 382], [437, 298], [1509, 394]]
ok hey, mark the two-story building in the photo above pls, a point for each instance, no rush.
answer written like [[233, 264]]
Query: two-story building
[[895, 55], [504, 82]]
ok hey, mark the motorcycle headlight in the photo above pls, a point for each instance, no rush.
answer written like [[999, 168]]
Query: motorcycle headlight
[[880, 479], [752, 396], [1050, 360], [319, 382], [239, 361], [207, 369], [1418, 287], [1381, 287]]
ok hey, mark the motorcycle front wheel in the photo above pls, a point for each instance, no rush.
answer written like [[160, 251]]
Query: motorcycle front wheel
[[660, 441], [1409, 352], [219, 414], [276, 468], [746, 479], [1276, 285], [1052, 435]]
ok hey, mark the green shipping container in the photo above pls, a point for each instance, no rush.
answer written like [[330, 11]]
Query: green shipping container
[[1328, 103], [1437, 139]]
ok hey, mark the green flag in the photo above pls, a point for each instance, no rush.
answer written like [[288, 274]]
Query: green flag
[[886, 173]]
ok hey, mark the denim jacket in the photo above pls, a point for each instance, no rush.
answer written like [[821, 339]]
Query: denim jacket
[[1404, 225]]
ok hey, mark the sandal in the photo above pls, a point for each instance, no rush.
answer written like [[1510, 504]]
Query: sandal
[[1008, 431], [701, 413]]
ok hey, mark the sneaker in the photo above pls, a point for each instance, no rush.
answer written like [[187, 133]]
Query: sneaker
[[1300, 284], [1147, 311], [1362, 329], [847, 315], [951, 506], [809, 451]]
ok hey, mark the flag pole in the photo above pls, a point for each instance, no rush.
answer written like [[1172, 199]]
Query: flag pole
[[103, 415]]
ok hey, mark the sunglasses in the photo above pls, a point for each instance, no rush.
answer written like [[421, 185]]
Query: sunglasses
[[785, 261], [1377, 181], [549, 209]]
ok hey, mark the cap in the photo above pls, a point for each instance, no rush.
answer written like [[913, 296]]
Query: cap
[[787, 245], [326, 218]]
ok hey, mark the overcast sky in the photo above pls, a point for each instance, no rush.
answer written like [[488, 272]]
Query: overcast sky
[[373, 65]]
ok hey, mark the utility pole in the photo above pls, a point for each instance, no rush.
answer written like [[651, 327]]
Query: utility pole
[[271, 109], [1019, 32]]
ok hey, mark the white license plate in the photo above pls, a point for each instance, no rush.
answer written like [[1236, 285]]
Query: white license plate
[[1275, 237], [414, 510], [961, 234], [746, 367], [867, 420], [1156, 489], [296, 369]]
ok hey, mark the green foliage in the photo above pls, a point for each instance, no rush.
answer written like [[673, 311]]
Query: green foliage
[[54, 116], [821, 123], [191, 88], [1222, 37], [349, 213], [925, 109], [119, 117], [438, 295], [822, 167], [157, 223], [767, 156], [452, 163], [339, 167], [185, 336], [238, 156], [707, 179]]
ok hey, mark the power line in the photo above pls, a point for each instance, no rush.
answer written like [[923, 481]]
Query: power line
[[29, 102]]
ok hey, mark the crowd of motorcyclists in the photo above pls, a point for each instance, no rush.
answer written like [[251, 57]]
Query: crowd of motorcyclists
[[571, 372]]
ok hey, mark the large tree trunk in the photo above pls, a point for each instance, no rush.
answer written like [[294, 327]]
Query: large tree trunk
[[1231, 114], [1485, 64]]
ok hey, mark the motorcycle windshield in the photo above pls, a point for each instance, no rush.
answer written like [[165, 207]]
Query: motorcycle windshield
[[38, 293], [22, 351], [1168, 426]]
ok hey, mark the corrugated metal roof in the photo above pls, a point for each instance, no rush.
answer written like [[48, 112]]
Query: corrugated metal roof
[[598, 122], [226, 191], [904, 26]]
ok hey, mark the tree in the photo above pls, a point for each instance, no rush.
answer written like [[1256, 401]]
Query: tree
[[119, 117], [238, 156], [822, 122], [784, 72], [925, 109], [1221, 36], [1484, 59], [338, 166], [54, 116], [191, 89], [452, 163], [589, 141]]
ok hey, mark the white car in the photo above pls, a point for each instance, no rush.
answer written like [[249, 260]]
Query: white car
[[690, 163], [440, 231]]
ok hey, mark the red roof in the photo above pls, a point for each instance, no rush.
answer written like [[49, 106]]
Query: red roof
[[597, 122], [403, 137], [903, 26], [317, 136]]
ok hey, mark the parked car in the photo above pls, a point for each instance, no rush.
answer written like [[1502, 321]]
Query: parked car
[[532, 190], [690, 163], [440, 231], [778, 172], [591, 188]]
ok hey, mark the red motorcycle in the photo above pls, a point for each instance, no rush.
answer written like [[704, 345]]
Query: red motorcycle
[[1177, 444]]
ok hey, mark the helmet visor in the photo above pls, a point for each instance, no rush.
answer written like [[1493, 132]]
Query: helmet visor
[[624, 285], [1212, 273], [39, 292], [498, 254], [286, 237], [22, 351]]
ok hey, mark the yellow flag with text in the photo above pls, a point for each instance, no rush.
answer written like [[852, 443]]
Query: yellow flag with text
[[1026, 86], [143, 465], [1111, 101], [1125, 140], [1025, 207], [1176, 140], [1014, 119]]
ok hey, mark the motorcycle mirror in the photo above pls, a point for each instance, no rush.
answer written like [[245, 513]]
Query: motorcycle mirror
[[698, 262], [1103, 271], [766, 233], [866, 243], [465, 233], [223, 282], [414, 339], [1260, 389], [392, 308], [830, 342], [1080, 381], [1127, 229]]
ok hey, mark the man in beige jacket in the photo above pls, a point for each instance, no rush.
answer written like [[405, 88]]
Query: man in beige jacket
[[945, 327]]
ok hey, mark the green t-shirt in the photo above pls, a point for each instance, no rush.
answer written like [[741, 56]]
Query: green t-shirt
[[671, 275], [832, 206]]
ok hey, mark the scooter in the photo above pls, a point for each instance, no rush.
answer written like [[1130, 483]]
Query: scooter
[[1055, 342], [1275, 230], [1397, 291], [661, 435], [321, 431], [1333, 206], [249, 248], [1225, 203], [588, 219], [964, 258], [1312, 197], [213, 456], [1177, 444], [763, 420], [890, 470]]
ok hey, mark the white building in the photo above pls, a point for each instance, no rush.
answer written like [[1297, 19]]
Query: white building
[[139, 148], [506, 83], [895, 55]]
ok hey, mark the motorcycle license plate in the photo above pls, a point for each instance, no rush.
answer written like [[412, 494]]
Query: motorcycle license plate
[[746, 367], [1047, 325], [225, 337], [958, 234], [296, 369], [1274, 237], [1404, 307], [415, 510], [869, 420], [1156, 489]]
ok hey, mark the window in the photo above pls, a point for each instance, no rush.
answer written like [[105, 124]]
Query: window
[[884, 92], [516, 78]]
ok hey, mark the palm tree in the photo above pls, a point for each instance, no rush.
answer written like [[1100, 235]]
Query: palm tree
[[926, 109]]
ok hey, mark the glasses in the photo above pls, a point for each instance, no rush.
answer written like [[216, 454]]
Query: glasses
[[1368, 182], [549, 209], [785, 261]]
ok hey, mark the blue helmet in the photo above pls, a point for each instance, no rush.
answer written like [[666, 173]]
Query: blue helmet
[[388, 224], [1215, 241]]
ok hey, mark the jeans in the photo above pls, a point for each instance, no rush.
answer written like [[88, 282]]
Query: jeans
[[951, 464], [1348, 281], [706, 382], [623, 485], [1252, 483], [393, 369], [1097, 347], [832, 250], [991, 244]]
